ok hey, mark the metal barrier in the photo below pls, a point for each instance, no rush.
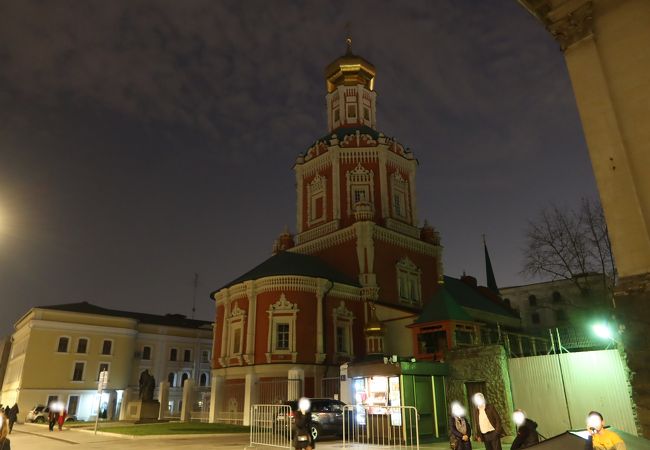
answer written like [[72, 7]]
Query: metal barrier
[[271, 426], [391, 426]]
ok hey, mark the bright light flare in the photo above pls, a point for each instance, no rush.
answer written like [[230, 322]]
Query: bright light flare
[[602, 331], [457, 409], [593, 421], [304, 404], [478, 399], [519, 418]]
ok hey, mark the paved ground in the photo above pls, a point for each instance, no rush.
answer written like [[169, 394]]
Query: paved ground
[[37, 437]]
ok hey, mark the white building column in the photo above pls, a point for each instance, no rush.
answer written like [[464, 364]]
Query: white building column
[[163, 398], [126, 397], [216, 393], [188, 389], [250, 396], [295, 390]]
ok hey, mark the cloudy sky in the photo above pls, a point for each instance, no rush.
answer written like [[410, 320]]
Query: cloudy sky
[[144, 141]]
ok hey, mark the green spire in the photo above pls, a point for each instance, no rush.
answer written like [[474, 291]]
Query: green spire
[[489, 273]]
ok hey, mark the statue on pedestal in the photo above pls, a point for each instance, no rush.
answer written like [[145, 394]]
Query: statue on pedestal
[[147, 385]]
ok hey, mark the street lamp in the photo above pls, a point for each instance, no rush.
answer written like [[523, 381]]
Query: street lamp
[[603, 331]]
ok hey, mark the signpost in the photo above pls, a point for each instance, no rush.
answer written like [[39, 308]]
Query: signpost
[[101, 385]]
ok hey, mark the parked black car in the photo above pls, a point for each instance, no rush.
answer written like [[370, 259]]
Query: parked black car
[[326, 417]]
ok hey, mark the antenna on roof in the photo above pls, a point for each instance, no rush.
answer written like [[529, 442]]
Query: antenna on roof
[[196, 284]]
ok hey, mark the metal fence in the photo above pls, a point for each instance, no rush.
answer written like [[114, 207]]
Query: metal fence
[[275, 391], [231, 409], [200, 407], [388, 426], [271, 426]]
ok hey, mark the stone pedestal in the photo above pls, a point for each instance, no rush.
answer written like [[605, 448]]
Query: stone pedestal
[[143, 410]]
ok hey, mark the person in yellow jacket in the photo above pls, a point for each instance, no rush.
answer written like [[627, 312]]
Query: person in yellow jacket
[[602, 438]]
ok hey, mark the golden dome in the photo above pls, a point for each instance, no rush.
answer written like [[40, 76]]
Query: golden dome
[[350, 70]]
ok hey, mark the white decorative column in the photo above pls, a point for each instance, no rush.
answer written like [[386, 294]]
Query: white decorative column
[[188, 389], [249, 354], [163, 398], [250, 396], [323, 287], [216, 393], [124, 408], [295, 390]]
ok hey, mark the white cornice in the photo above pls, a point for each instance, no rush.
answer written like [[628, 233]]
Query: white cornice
[[168, 338], [416, 245], [67, 326], [315, 245]]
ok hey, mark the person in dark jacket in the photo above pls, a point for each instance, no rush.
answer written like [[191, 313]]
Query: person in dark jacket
[[5, 443], [488, 429], [12, 415], [526, 431], [460, 429], [302, 438]]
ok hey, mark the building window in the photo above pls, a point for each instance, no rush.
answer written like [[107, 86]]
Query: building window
[[366, 114], [343, 319], [316, 193], [282, 329], [557, 297], [187, 355], [63, 345], [173, 354], [73, 405], [408, 281], [107, 347], [282, 336], [82, 345], [52, 399], [204, 379], [399, 190], [146, 353], [205, 356], [78, 372], [360, 182], [560, 315], [102, 367], [171, 379], [184, 378], [352, 111], [235, 331], [532, 300], [236, 341]]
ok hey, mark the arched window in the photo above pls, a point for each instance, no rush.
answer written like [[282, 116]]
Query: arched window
[[171, 378], [184, 378], [203, 380]]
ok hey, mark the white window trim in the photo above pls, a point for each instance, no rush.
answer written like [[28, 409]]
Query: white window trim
[[343, 317], [101, 350], [99, 364], [407, 271], [316, 189], [236, 322], [56, 345], [207, 379], [83, 372], [87, 345], [362, 178], [400, 186], [207, 359], [282, 311]]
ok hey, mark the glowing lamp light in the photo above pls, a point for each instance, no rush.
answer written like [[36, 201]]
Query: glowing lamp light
[[602, 331], [457, 409]]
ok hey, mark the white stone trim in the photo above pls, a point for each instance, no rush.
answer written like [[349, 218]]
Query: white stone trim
[[407, 242], [318, 231], [282, 312], [327, 241], [399, 188], [402, 227], [343, 317], [362, 178], [316, 189], [67, 326], [408, 274]]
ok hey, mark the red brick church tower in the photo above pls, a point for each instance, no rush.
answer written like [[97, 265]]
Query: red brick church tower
[[355, 273]]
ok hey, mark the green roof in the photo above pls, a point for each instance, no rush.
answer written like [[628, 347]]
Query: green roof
[[290, 263], [443, 307], [469, 297]]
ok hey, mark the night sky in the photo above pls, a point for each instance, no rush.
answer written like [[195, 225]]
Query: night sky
[[142, 141]]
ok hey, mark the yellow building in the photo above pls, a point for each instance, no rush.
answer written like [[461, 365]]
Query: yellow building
[[58, 352]]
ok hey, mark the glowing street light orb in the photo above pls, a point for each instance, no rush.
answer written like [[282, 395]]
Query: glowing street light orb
[[602, 331]]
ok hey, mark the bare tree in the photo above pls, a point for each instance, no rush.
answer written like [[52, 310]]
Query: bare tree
[[570, 244]]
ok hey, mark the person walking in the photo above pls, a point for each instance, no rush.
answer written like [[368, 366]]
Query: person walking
[[302, 426], [600, 437], [526, 431], [459, 428], [52, 418], [489, 429], [12, 415], [5, 443], [61, 419]]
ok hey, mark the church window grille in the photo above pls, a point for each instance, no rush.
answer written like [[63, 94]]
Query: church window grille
[[408, 282], [282, 336]]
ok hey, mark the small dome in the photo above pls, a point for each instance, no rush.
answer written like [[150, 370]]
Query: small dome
[[350, 70]]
